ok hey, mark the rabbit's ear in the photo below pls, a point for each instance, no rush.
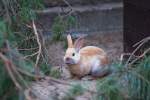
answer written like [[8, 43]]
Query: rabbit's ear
[[69, 39], [79, 43]]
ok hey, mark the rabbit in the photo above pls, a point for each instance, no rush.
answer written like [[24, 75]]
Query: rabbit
[[88, 60]]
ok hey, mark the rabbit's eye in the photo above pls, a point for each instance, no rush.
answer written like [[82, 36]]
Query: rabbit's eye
[[73, 54]]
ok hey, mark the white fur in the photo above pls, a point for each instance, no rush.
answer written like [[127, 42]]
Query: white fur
[[95, 63], [75, 58]]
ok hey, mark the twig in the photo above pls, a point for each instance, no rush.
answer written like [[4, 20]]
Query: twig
[[126, 54], [143, 40], [30, 55], [140, 43], [133, 54], [139, 57], [40, 46], [27, 49], [44, 53]]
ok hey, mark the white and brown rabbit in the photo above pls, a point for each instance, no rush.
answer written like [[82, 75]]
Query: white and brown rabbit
[[86, 60]]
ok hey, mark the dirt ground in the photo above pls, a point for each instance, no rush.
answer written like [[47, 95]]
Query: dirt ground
[[110, 42]]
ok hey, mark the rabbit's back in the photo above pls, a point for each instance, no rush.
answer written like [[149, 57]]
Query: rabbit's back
[[94, 56], [92, 51]]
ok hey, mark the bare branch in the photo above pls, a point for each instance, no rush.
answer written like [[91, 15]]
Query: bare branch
[[139, 57], [143, 40], [40, 46], [30, 55], [27, 49], [140, 44]]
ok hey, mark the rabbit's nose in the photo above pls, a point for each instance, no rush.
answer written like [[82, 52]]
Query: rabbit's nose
[[67, 59]]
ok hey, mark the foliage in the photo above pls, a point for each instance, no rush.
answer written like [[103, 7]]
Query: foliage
[[26, 11], [15, 14], [139, 81], [76, 90], [60, 25], [5, 82], [126, 83], [55, 73], [110, 88]]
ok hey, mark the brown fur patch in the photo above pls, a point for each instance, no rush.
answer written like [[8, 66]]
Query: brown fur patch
[[91, 51]]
